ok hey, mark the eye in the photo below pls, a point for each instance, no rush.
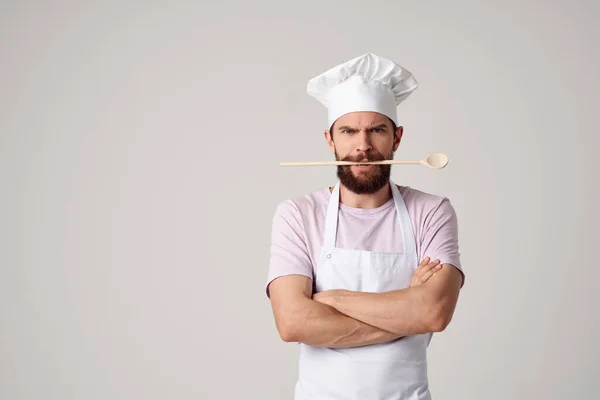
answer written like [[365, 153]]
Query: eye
[[378, 130]]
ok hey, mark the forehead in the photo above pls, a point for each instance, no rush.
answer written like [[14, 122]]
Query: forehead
[[362, 119]]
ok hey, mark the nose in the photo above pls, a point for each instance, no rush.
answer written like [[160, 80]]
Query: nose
[[364, 141]]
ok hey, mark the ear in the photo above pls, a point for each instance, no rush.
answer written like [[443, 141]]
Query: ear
[[398, 137], [329, 140]]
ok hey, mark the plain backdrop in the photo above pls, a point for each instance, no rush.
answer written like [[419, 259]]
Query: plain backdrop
[[139, 168]]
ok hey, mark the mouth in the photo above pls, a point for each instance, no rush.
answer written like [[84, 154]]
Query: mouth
[[364, 160], [363, 167], [364, 163]]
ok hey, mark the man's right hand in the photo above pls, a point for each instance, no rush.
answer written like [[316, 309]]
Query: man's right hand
[[424, 271]]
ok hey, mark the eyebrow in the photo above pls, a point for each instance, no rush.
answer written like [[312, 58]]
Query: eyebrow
[[382, 125], [344, 127]]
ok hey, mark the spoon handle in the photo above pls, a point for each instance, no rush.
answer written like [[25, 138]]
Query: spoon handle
[[316, 163], [396, 162]]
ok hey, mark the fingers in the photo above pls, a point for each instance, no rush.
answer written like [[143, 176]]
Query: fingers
[[424, 262], [431, 272], [427, 269], [426, 265]]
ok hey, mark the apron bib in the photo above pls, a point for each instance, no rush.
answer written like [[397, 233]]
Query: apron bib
[[395, 370]]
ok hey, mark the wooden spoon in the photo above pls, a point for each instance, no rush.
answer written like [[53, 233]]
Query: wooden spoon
[[434, 160]]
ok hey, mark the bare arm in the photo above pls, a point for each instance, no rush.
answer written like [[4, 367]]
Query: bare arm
[[301, 319], [420, 309]]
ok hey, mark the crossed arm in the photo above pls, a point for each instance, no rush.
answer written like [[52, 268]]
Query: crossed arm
[[341, 318], [299, 318]]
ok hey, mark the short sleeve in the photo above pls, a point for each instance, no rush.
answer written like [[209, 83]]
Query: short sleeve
[[439, 239], [289, 251]]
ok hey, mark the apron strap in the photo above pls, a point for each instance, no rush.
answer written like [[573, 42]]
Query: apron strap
[[408, 236], [331, 220]]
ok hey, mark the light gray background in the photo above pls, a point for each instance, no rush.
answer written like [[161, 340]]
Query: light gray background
[[139, 167]]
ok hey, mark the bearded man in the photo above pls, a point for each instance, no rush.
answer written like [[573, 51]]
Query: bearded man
[[363, 273]]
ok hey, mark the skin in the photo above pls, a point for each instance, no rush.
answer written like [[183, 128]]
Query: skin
[[342, 318]]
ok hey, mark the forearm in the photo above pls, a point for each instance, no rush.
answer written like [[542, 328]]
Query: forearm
[[318, 324], [403, 312], [424, 308]]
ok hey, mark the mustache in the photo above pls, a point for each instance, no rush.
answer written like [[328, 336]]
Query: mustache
[[367, 157]]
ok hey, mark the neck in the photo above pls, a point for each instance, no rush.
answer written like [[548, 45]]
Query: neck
[[372, 200]]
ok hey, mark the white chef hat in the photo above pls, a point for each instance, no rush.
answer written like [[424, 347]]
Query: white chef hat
[[365, 83]]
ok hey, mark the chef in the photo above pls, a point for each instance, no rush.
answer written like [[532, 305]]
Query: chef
[[363, 273]]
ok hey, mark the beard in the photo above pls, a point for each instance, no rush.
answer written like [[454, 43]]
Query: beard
[[367, 182]]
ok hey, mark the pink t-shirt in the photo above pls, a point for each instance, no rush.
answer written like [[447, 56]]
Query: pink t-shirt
[[299, 224]]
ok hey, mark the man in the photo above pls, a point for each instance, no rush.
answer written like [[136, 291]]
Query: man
[[345, 281]]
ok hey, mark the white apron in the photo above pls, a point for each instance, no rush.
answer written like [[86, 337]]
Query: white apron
[[396, 370]]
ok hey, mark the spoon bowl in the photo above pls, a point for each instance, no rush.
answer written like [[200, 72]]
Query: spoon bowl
[[436, 160]]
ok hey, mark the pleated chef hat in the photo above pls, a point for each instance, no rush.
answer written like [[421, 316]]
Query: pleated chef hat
[[365, 83]]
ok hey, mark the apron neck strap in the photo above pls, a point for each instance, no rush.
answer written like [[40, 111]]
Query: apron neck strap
[[408, 236], [331, 221]]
